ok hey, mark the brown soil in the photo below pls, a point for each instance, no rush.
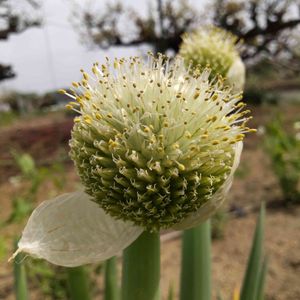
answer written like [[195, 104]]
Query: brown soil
[[46, 139]]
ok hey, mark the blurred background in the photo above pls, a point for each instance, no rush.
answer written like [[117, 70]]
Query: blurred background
[[44, 44]]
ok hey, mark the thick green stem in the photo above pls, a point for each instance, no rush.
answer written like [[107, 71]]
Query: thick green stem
[[111, 291], [78, 283], [195, 282], [21, 291], [141, 268]]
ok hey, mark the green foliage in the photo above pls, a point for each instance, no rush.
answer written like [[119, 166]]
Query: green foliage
[[243, 170], [7, 118], [21, 208], [194, 273], [255, 273], [49, 279], [2, 248], [261, 281], [23, 203], [284, 151]]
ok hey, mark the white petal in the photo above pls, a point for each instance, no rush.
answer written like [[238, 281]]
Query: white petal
[[236, 75], [205, 211], [71, 230]]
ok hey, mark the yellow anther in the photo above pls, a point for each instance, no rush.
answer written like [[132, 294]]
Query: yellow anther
[[181, 167], [87, 96], [75, 84], [85, 76], [98, 116], [94, 70], [84, 83], [240, 104], [147, 129], [61, 91], [68, 106], [109, 115], [76, 119], [188, 134], [215, 142], [87, 119], [196, 95], [113, 144], [214, 97], [240, 136], [204, 136], [78, 99], [175, 146], [116, 64]]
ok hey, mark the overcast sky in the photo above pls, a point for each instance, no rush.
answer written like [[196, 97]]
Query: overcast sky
[[50, 57]]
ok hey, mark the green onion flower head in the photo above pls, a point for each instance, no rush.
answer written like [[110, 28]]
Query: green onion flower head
[[155, 145], [215, 47]]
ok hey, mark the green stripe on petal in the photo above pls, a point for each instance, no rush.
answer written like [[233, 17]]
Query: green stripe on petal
[[71, 230]]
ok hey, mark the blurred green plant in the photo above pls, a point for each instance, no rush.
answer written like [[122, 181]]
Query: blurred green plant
[[7, 118], [284, 150], [3, 247], [218, 222], [23, 202], [254, 278], [243, 170], [50, 280]]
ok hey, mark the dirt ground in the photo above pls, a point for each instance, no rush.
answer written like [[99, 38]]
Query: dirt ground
[[46, 140]]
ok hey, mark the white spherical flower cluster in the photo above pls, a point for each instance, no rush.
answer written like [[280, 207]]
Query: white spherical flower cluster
[[216, 48], [154, 143], [156, 146]]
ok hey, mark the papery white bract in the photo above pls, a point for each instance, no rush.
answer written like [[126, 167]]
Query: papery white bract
[[71, 230]]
